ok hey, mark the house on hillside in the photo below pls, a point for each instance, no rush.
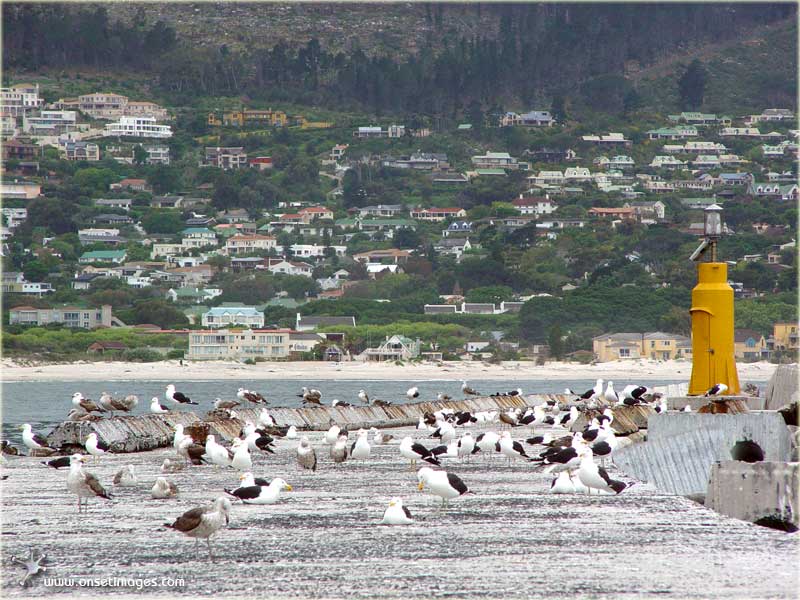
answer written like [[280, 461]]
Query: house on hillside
[[224, 316]]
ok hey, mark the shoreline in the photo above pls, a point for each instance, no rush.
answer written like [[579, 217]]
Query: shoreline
[[170, 370]]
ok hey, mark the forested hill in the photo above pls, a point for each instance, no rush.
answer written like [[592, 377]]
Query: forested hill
[[416, 58]]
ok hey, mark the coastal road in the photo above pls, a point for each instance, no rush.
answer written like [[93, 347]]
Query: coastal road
[[510, 539]]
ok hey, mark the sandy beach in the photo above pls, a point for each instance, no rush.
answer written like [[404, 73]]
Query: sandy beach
[[475, 370]]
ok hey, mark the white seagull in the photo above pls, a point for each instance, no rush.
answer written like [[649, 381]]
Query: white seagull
[[412, 393], [360, 449], [444, 484], [396, 513], [163, 489], [177, 397], [84, 485], [34, 441], [157, 408], [94, 446], [261, 494]]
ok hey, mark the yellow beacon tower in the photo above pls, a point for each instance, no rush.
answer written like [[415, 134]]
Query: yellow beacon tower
[[712, 316]]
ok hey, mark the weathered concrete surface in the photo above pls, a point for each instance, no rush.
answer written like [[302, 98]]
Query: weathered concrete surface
[[681, 447], [146, 432], [739, 404], [510, 539], [751, 491], [783, 387]]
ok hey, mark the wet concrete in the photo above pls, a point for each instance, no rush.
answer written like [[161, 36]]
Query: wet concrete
[[510, 539]]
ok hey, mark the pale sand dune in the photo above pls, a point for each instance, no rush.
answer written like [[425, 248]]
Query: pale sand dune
[[475, 370]]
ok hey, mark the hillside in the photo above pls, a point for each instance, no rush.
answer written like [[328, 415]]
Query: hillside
[[417, 58]]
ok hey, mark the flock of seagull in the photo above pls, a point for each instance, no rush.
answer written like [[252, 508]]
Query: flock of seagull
[[569, 457]]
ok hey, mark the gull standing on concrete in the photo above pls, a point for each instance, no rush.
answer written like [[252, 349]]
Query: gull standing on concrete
[[397, 514], [339, 450], [33, 441], [596, 477], [591, 394], [221, 404], [157, 408], [306, 457], [261, 494], [94, 446], [415, 451], [562, 484], [511, 448], [716, 390], [466, 445], [610, 395], [178, 436], [444, 484], [332, 434], [216, 453], [241, 456], [203, 522], [84, 485], [360, 449]]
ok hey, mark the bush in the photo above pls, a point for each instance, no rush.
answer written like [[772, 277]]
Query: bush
[[141, 355], [175, 354]]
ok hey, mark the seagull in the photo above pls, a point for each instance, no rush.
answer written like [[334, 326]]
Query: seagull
[[397, 514], [33, 440], [381, 403], [247, 480], [191, 451], [94, 446], [84, 485], [163, 489], [177, 397], [241, 456], [261, 494], [126, 477], [444, 484], [88, 405], [596, 477], [486, 442], [341, 403], [443, 397], [508, 419], [266, 419], [569, 418], [562, 484], [179, 436], [466, 445], [362, 395], [157, 408], [747, 451], [360, 449], [253, 397], [412, 393], [203, 522], [634, 392], [380, 438], [415, 451], [332, 434], [610, 395], [172, 466], [221, 404], [291, 433], [716, 390], [468, 390], [306, 457], [57, 463], [77, 415], [445, 431], [111, 404], [446, 451], [511, 448], [338, 450], [591, 394], [310, 396], [216, 453], [561, 459]]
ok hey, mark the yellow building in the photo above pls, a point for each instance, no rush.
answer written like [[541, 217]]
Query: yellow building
[[655, 345], [785, 336], [749, 345]]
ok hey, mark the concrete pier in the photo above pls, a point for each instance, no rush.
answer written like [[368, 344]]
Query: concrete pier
[[147, 432], [509, 539]]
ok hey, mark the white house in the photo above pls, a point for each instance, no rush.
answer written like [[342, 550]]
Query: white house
[[244, 244], [495, 160], [533, 205], [290, 267], [145, 127], [197, 237], [577, 174], [661, 161]]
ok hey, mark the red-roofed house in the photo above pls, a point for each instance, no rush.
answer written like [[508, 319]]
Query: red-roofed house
[[137, 185], [261, 162], [296, 218], [531, 205], [438, 214], [317, 212]]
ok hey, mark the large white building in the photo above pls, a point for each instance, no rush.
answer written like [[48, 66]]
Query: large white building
[[145, 127], [224, 316], [50, 122], [18, 100], [240, 344]]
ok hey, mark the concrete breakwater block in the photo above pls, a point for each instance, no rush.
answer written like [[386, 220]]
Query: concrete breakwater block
[[765, 492], [783, 387], [146, 432], [681, 447]]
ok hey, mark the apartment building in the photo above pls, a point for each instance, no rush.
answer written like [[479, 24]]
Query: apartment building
[[223, 316], [20, 99], [143, 127], [70, 316], [225, 158], [239, 344]]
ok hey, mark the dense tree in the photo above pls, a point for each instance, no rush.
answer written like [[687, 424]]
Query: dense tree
[[163, 221], [555, 340], [692, 86], [36, 271]]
